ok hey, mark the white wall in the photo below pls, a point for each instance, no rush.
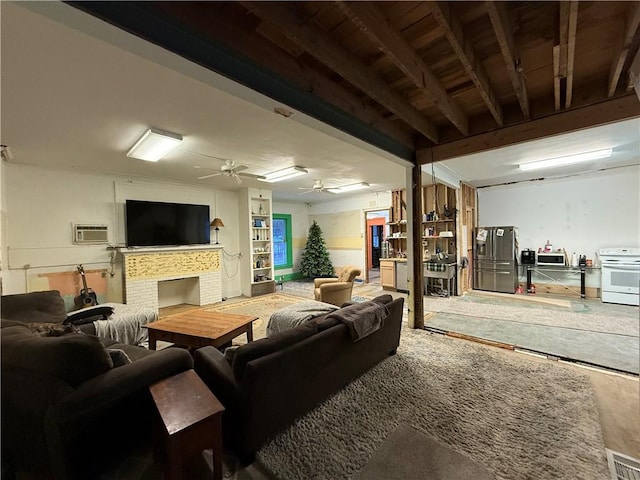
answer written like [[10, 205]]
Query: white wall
[[580, 214], [42, 204], [343, 224]]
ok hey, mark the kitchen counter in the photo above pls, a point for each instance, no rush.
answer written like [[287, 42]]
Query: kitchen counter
[[393, 273]]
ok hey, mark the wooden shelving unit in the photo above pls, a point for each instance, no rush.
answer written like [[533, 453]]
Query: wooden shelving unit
[[256, 241]]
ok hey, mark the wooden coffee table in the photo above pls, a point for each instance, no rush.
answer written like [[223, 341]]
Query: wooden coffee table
[[197, 328]]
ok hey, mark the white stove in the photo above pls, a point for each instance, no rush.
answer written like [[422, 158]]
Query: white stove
[[620, 275]]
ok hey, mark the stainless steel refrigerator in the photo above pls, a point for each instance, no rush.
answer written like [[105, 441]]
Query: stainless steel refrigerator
[[495, 259]]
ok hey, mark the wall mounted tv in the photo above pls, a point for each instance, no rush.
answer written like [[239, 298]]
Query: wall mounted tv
[[161, 223]]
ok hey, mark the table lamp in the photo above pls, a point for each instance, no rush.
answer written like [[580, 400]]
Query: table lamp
[[216, 224]]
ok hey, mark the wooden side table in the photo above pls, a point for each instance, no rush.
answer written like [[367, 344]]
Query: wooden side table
[[190, 422]]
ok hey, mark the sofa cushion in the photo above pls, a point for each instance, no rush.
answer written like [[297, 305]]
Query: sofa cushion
[[73, 358], [265, 346], [35, 307]]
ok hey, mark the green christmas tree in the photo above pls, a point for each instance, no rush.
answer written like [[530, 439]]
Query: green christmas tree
[[315, 257]]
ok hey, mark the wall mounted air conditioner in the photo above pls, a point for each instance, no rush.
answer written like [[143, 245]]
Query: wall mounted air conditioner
[[90, 234]]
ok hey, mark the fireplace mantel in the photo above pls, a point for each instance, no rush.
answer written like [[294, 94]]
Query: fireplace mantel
[[144, 267]]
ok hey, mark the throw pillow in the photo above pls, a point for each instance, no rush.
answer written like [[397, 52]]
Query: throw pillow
[[118, 357], [73, 358], [42, 307]]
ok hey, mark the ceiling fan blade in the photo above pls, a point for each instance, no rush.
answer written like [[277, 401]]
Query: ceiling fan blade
[[239, 168], [304, 193], [209, 176], [237, 177]]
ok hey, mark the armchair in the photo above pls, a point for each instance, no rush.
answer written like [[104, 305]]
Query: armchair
[[336, 290]]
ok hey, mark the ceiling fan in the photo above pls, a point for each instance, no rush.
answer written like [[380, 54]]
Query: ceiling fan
[[318, 186], [230, 169]]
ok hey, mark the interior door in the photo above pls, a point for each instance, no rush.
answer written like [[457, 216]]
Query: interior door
[[375, 233], [375, 236]]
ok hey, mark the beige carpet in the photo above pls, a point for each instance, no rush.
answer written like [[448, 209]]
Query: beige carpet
[[262, 307]]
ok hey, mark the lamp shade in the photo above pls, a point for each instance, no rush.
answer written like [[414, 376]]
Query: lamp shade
[[217, 223]]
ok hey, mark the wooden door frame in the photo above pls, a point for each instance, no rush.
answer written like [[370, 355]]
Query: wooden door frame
[[366, 236]]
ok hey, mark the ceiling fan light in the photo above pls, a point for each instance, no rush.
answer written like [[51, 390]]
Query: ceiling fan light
[[349, 188], [284, 174], [566, 160], [154, 145]]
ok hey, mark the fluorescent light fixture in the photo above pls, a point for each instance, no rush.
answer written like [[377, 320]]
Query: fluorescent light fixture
[[349, 188], [568, 160], [284, 174], [154, 145]]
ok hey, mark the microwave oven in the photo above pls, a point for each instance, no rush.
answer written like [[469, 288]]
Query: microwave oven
[[551, 258]]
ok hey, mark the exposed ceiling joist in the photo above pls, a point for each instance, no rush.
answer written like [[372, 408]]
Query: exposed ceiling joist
[[571, 50], [324, 48], [454, 32], [625, 43], [564, 54], [614, 110], [504, 33], [368, 18]]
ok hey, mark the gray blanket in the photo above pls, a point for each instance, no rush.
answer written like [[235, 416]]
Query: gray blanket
[[294, 315], [362, 319], [125, 325]]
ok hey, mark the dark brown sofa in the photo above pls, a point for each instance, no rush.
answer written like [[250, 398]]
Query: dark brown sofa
[[69, 411], [272, 381]]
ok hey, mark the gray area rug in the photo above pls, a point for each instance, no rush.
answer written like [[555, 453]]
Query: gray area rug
[[396, 459], [586, 331], [518, 417]]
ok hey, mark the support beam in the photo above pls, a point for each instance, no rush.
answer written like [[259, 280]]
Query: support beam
[[571, 50], [504, 33], [452, 28], [328, 51], [615, 110], [414, 247], [622, 50], [368, 18]]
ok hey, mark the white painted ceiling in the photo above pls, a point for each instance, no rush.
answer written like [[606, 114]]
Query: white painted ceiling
[[77, 93]]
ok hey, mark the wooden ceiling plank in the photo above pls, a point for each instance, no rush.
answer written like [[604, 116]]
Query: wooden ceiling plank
[[308, 78], [622, 50], [319, 44], [609, 111], [571, 50], [453, 30], [504, 33], [556, 77], [367, 17]]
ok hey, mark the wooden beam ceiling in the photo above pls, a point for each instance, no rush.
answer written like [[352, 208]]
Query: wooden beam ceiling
[[564, 54], [624, 46], [618, 109], [454, 32], [503, 30], [324, 48], [372, 23]]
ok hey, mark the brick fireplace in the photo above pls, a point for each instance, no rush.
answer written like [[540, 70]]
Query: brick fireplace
[[144, 268]]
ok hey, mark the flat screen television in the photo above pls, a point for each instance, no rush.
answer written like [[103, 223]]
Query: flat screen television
[[161, 224]]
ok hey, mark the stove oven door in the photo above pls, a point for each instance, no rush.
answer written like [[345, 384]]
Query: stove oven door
[[620, 283]]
